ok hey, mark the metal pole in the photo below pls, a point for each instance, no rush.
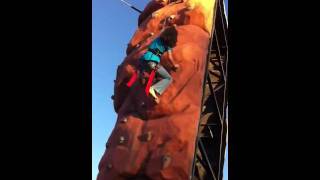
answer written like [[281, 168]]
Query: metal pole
[[128, 4]]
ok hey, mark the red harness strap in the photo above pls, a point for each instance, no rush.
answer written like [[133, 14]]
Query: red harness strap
[[150, 80], [134, 78]]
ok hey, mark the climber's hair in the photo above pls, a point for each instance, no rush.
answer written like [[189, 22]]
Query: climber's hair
[[169, 36]]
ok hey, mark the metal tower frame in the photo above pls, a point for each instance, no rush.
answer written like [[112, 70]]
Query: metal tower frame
[[212, 130]]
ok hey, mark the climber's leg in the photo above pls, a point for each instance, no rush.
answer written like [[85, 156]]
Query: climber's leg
[[163, 84], [152, 65]]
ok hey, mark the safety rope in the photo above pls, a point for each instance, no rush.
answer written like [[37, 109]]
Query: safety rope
[[128, 4]]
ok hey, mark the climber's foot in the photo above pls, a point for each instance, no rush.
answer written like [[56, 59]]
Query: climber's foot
[[156, 100], [153, 94]]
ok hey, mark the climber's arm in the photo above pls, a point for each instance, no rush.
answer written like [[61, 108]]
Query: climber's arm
[[172, 61]]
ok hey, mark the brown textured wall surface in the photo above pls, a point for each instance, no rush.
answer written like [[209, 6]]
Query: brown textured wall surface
[[156, 141]]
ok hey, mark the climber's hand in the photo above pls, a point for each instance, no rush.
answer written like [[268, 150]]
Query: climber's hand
[[175, 67]]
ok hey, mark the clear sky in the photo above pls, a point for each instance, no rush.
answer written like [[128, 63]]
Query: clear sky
[[113, 25]]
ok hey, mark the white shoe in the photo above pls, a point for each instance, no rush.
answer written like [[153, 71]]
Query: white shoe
[[153, 93]]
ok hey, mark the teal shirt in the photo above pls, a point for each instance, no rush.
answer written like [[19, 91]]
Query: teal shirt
[[157, 43]]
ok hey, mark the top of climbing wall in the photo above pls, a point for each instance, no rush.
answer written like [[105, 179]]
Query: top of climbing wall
[[183, 9]]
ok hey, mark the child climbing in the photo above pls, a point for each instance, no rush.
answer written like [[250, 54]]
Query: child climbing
[[151, 60]]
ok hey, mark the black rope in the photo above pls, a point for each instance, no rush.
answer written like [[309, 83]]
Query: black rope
[[128, 4]]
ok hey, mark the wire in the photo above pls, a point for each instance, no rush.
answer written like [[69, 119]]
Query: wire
[[128, 4]]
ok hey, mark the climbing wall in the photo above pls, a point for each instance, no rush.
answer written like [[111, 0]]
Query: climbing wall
[[157, 141]]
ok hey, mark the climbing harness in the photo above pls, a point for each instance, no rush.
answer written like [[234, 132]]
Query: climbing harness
[[143, 74], [156, 52], [136, 75]]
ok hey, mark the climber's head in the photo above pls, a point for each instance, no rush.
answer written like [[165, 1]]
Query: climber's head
[[169, 36]]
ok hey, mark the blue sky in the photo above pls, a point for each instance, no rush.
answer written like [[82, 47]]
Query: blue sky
[[113, 25]]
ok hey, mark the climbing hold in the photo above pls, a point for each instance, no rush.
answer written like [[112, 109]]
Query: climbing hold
[[107, 145], [121, 141], [149, 136], [171, 17], [170, 20], [151, 34], [112, 97], [146, 137], [124, 120], [143, 105], [190, 6], [155, 14], [162, 1], [166, 160], [109, 166]]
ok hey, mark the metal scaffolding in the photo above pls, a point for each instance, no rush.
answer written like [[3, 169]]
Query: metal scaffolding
[[212, 131]]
